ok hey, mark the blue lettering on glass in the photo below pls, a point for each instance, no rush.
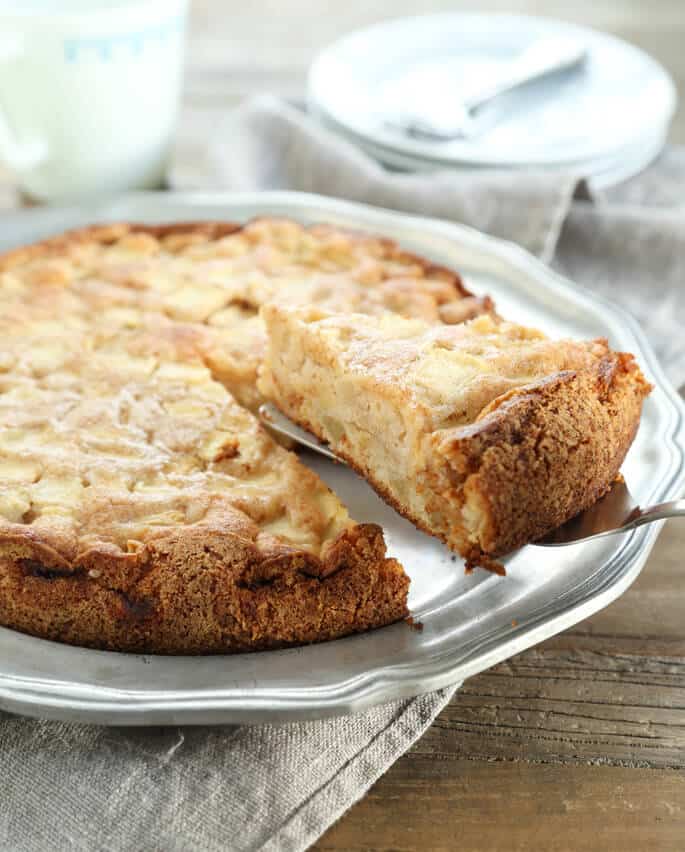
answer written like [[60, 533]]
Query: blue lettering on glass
[[70, 50], [137, 44], [122, 45]]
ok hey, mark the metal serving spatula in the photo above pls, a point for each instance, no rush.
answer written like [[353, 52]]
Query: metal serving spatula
[[616, 512]]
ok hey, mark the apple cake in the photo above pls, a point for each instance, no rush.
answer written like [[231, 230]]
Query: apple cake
[[142, 507], [485, 434], [214, 277]]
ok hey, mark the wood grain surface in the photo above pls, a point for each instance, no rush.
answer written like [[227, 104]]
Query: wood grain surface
[[577, 744], [423, 804]]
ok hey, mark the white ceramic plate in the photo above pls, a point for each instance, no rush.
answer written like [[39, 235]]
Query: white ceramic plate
[[600, 173], [587, 114], [470, 622]]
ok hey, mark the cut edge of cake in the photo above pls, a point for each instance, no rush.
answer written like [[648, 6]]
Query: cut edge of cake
[[534, 456]]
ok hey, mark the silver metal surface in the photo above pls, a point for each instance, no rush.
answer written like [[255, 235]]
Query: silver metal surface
[[455, 118], [469, 622], [615, 513], [622, 94], [276, 420]]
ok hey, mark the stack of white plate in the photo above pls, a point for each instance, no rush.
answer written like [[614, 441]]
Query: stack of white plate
[[604, 121]]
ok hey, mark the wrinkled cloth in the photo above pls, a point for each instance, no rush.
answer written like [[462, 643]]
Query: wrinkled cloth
[[265, 787], [279, 787], [269, 144]]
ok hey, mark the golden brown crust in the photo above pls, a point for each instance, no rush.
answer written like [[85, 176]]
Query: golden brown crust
[[543, 455], [460, 306], [273, 258], [162, 591], [108, 234], [212, 230], [208, 592]]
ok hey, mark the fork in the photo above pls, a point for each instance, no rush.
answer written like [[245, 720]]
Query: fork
[[616, 512]]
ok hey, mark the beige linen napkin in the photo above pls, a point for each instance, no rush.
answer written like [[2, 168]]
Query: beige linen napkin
[[269, 144], [270, 787]]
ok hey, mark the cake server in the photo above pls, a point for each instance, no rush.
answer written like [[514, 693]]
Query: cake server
[[616, 512], [455, 120]]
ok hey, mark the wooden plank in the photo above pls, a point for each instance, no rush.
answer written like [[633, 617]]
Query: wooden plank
[[428, 803], [584, 707], [610, 691], [549, 750]]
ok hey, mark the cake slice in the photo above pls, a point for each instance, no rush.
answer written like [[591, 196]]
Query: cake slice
[[486, 434]]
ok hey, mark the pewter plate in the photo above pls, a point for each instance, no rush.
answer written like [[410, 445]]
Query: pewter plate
[[422, 63], [470, 622]]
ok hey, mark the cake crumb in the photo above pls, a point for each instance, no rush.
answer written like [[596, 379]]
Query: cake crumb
[[482, 560]]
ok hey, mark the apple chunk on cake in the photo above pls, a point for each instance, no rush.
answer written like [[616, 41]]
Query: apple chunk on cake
[[486, 434]]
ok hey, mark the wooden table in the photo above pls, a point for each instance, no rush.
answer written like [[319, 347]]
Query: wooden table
[[578, 744]]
